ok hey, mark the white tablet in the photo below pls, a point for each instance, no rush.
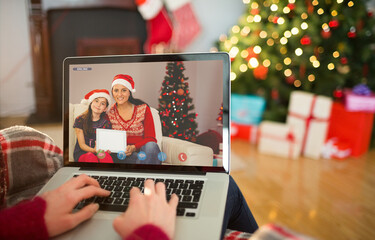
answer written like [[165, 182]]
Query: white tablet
[[109, 139]]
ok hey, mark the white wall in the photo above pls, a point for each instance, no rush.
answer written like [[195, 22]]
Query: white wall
[[16, 80], [216, 17]]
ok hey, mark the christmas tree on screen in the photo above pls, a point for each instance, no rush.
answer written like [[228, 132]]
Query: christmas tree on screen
[[176, 106], [320, 46]]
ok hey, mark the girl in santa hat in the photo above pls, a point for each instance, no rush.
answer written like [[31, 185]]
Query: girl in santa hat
[[86, 124], [133, 116]]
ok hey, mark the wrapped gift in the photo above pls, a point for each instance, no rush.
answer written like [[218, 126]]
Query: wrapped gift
[[245, 132], [310, 114], [360, 99], [336, 149], [279, 139], [355, 128], [247, 109]]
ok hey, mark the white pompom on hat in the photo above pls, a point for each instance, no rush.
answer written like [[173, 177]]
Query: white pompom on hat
[[96, 94], [125, 80]]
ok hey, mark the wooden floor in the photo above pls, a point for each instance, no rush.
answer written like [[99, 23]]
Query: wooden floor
[[325, 199]]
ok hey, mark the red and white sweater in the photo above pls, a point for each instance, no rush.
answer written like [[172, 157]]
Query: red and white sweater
[[139, 129]]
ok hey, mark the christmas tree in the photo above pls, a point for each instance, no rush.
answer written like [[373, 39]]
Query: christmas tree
[[318, 46], [175, 104]]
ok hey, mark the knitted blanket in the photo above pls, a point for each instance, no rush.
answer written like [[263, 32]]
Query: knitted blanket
[[28, 159]]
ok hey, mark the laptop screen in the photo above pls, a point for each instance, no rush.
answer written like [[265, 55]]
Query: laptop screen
[[168, 111]]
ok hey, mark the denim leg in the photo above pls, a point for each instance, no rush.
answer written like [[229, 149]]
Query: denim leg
[[152, 150], [237, 214]]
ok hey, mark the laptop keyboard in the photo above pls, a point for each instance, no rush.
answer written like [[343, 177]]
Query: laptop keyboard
[[188, 191]]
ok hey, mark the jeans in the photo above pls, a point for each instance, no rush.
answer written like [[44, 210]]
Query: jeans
[[237, 214], [151, 150]]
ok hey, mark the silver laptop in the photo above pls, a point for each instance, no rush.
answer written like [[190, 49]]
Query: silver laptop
[[188, 161]]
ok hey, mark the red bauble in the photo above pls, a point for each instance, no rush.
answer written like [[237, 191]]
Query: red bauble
[[352, 34], [338, 93], [254, 11], [180, 91], [290, 79], [251, 52], [326, 34], [305, 40], [344, 60], [291, 6], [275, 19], [260, 72], [275, 94], [334, 23], [370, 14]]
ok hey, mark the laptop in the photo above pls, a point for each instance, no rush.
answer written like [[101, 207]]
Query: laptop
[[197, 161]]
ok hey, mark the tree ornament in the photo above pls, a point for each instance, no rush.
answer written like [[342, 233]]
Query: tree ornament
[[305, 40], [326, 33], [180, 91], [251, 54], [260, 72], [344, 60], [338, 93], [365, 70], [291, 6], [290, 79], [343, 69], [275, 94], [334, 24], [254, 11], [275, 18], [352, 33]]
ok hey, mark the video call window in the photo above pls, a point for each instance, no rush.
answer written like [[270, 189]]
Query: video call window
[[175, 115]]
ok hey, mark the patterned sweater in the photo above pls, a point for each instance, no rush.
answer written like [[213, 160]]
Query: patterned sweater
[[26, 221], [139, 129]]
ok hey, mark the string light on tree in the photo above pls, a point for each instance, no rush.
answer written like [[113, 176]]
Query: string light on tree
[[311, 45]]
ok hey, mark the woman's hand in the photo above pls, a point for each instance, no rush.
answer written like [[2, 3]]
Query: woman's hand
[[130, 149], [148, 208], [61, 201]]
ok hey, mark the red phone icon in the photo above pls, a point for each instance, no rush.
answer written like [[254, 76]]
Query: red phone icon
[[182, 157]]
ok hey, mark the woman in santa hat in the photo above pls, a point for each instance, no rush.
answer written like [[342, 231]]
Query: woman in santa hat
[[133, 116], [86, 124]]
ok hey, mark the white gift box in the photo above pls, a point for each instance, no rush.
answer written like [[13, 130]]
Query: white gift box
[[310, 114], [279, 139]]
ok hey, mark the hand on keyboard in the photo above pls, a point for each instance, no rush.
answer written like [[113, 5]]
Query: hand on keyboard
[[61, 201], [148, 208]]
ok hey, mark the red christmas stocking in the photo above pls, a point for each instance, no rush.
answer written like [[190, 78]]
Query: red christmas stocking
[[186, 25], [159, 26]]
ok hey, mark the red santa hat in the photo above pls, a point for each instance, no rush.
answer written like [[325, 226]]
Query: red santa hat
[[96, 94], [125, 80]]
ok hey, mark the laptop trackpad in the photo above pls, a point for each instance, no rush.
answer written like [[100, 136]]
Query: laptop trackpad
[[92, 229]]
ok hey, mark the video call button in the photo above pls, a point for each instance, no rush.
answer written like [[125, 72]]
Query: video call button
[[182, 157], [121, 155], [142, 156], [162, 156]]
